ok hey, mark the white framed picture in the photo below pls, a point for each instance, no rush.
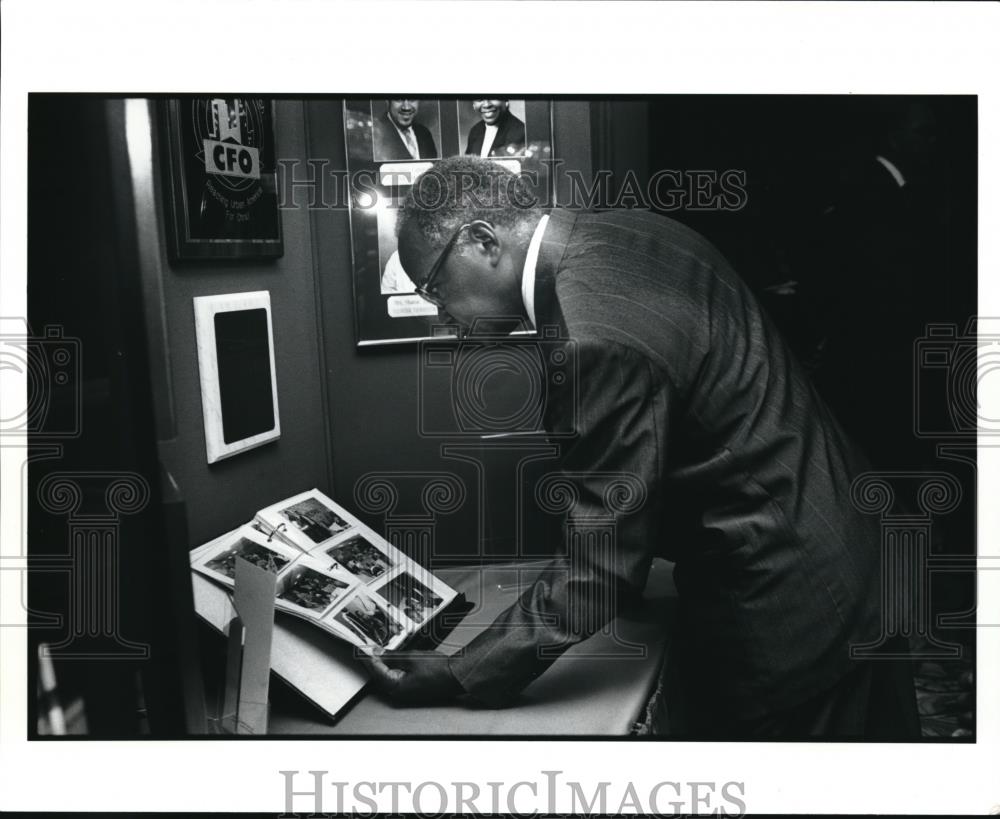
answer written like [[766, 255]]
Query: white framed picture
[[239, 394]]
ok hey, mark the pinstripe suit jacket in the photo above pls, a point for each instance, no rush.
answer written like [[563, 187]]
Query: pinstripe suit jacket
[[685, 384]]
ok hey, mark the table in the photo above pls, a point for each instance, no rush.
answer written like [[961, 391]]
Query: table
[[600, 687]]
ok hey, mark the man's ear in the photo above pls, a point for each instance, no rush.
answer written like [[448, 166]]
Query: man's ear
[[485, 235]]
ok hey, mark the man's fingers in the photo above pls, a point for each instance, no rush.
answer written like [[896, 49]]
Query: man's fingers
[[383, 675], [368, 660], [411, 677]]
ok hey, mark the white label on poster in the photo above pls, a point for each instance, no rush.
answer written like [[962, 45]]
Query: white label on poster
[[231, 159], [397, 174], [406, 306]]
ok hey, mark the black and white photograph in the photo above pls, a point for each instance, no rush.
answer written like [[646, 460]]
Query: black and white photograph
[[410, 596], [406, 129], [651, 405], [852, 288], [389, 145], [309, 589], [224, 563], [361, 558], [314, 519], [393, 279], [363, 616], [492, 128]]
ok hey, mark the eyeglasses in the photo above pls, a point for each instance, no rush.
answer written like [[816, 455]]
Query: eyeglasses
[[426, 289]]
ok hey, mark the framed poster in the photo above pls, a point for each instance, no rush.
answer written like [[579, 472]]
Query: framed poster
[[389, 144], [221, 184], [239, 392]]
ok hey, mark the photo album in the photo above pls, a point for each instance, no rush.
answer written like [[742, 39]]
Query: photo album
[[332, 570]]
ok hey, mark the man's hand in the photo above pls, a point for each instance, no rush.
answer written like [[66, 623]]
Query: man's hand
[[413, 677]]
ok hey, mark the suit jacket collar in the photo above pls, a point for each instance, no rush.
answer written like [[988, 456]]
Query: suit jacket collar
[[503, 125], [557, 233]]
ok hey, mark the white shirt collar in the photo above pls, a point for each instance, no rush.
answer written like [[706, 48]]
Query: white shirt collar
[[530, 263], [891, 168], [489, 137]]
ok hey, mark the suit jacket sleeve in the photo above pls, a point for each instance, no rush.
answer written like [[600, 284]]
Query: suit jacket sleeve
[[613, 467]]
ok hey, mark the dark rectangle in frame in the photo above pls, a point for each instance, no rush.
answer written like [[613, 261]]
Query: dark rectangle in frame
[[243, 353]]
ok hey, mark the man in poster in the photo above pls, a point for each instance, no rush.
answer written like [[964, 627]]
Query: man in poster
[[397, 135], [498, 133]]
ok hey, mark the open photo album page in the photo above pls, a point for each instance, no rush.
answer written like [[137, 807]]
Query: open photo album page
[[330, 569]]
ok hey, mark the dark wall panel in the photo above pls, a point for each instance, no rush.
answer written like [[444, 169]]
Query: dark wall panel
[[225, 494]]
